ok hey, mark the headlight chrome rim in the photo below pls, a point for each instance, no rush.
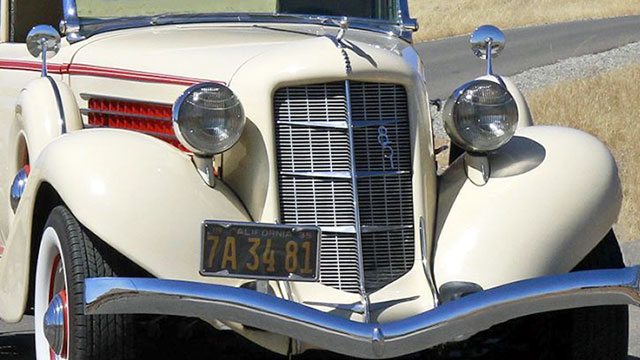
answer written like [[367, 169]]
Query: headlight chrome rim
[[451, 124], [176, 120]]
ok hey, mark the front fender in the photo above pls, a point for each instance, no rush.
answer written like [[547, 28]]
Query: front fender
[[141, 196], [553, 194], [46, 108]]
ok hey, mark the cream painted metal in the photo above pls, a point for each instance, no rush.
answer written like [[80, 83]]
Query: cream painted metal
[[250, 168], [36, 122], [13, 146], [158, 228], [552, 193], [146, 200], [37, 118], [315, 61], [4, 20]]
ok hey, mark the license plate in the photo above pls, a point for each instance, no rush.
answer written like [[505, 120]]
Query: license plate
[[260, 251]]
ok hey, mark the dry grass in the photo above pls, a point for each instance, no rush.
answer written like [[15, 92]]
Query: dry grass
[[607, 106], [442, 18]]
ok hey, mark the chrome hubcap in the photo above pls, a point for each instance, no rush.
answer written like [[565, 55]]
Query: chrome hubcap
[[54, 323], [17, 187]]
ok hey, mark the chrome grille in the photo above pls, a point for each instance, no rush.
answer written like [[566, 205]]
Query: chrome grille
[[326, 135], [386, 255], [339, 262]]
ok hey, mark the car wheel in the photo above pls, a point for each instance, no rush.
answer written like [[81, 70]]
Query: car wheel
[[69, 254], [593, 333], [599, 332]]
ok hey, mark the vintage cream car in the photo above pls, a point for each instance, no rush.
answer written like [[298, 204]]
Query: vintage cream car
[[267, 167]]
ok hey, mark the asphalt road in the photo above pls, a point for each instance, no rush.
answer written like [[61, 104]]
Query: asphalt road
[[450, 63]]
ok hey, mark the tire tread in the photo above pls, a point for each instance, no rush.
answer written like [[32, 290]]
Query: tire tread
[[98, 337]]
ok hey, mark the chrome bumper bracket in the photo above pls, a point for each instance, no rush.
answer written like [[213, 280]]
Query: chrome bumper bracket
[[453, 321]]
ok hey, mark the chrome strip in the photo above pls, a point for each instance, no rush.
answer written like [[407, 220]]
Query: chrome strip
[[71, 21], [89, 96], [338, 229], [427, 262], [56, 92], [453, 321], [356, 202], [408, 24], [85, 111], [356, 307], [369, 174], [367, 229], [151, 133], [320, 124], [319, 174], [375, 122], [344, 174]]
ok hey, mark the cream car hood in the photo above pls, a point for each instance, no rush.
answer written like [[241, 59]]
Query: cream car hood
[[203, 51]]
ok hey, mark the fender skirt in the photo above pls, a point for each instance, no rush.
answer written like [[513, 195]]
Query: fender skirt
[[552, 195]]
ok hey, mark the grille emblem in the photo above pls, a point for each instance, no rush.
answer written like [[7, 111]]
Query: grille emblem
[[385, 143]]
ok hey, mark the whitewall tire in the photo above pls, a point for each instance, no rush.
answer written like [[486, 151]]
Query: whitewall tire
[[50, 281], [68, 254]]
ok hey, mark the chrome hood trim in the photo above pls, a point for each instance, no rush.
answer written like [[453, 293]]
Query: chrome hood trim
[[453, 321]]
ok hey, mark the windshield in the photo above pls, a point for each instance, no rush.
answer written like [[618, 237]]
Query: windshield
[[385, 10]]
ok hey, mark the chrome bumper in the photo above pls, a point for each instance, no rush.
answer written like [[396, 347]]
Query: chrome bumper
[[452, 321]]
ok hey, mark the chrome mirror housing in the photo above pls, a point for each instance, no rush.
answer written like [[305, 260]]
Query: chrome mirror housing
[[43, 41], [487, 41], [487, 37], [43, 38]]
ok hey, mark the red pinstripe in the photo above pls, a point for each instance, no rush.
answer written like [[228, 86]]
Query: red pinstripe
[[99, 71]]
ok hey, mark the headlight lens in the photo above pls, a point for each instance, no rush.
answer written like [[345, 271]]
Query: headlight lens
[[208, 118], [481, 116]]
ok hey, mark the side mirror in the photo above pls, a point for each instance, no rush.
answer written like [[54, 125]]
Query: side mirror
[[43, 41], [487, 41]]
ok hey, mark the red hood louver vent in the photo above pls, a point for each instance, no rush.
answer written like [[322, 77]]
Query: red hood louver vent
[[147, 118]]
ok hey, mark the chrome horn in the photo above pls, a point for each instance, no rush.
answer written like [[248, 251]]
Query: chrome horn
[[487, 41], [43, 40]]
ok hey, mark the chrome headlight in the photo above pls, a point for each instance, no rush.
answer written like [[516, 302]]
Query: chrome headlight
[[208, 118], [481, 116]]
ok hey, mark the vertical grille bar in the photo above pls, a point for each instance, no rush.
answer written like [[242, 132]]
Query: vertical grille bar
[[336, 172], [354, 182]]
